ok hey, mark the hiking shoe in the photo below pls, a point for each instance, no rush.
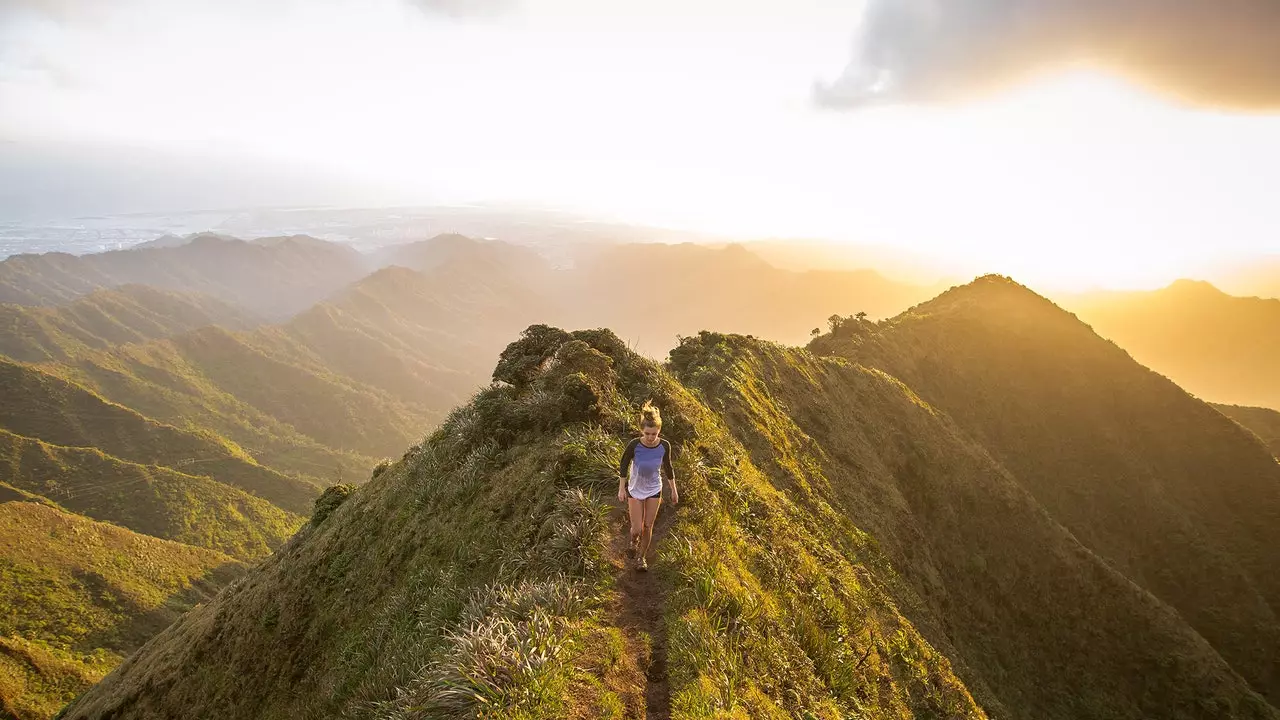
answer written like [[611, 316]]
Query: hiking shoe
[[642, 564]]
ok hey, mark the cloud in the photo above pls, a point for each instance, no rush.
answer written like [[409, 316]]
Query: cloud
[[1206, 52], [459, 9]]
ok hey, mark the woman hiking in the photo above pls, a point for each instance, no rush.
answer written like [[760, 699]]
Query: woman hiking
[[644, 463]]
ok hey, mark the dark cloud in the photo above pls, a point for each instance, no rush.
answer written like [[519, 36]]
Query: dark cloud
[[1205, 52]]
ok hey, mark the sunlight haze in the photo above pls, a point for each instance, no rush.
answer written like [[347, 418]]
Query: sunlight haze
[[687, 115]]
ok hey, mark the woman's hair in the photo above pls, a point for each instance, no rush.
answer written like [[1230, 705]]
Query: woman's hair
[[650, 416]]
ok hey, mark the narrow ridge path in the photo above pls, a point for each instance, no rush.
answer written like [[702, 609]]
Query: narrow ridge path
[[639, 616]]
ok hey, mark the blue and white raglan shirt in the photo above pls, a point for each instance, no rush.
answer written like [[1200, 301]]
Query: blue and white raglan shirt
[[648, 466]]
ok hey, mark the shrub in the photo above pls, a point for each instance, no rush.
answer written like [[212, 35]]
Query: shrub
[[520, 362], [380, 468], [329, 501]]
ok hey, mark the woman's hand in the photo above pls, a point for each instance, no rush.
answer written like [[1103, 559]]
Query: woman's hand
[[675, 496], [622, 496]]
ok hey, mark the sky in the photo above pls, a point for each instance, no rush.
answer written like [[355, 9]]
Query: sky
[[1120, 143]]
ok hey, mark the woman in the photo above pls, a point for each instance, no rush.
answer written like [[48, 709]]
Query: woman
[[645, 461]]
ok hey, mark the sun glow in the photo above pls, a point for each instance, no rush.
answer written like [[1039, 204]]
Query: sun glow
[[1073, 179]]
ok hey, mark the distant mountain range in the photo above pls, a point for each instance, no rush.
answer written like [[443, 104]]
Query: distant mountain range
[[272, 279], [1224, 349]]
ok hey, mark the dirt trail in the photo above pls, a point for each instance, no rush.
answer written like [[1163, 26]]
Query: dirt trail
[[639, 615]]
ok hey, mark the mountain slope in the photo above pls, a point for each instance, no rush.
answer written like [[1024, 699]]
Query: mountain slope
[[841, 549], [532, 617], [1038, 626], [78, 594], [151, 500], [426, 337], [44, 407], [1262, 422], [273, 279], [1168, 491], [1221, 348], [127, 314]]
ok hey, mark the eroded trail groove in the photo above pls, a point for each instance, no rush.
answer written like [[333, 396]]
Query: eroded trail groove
[[639, 615]]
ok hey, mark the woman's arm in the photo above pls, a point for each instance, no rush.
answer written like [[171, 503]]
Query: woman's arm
[[624, 466], [670, 471]]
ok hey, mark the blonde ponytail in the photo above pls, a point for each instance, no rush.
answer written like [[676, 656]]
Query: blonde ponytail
[[650, 416]]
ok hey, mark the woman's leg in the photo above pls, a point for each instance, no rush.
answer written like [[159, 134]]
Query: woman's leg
[[650, 515], [635, 509]]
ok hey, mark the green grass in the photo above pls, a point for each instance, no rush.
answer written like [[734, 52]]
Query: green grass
[[128, 314], [844, 548], [471, 576], [1160, 485], [77, 595], [148, 499], [37, 679], [43, 406]]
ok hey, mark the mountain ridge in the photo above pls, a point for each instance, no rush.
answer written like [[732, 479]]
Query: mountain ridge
[[1137, 469], [844, 545]]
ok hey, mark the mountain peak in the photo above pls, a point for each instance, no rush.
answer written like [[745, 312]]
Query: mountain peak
[[995, 294], [1189, 287]]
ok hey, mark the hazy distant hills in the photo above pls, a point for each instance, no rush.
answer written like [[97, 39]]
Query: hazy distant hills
[[1263, 422], [1257, 277], [1222, 348], [273, 278], [651, 293], [126, 314], [685, 288], [1164, 488], [978, 508]]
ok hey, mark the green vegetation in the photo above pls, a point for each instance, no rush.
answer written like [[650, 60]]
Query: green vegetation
[[1161, 486], [76, 595], [844, 548], [128, 314], [42, 406], [151, 500], [329, 500], [477, 573], [977, 508]]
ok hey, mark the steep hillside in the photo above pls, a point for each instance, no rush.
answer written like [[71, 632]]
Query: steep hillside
[[1221, 348], [274, 279], [128, 314], [430, 593], [45, 407], [1168, 491], [841, 549], [148, 499], [350, 379], [77, 595], [1037, 626], [1262, 422], [425, 337]]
